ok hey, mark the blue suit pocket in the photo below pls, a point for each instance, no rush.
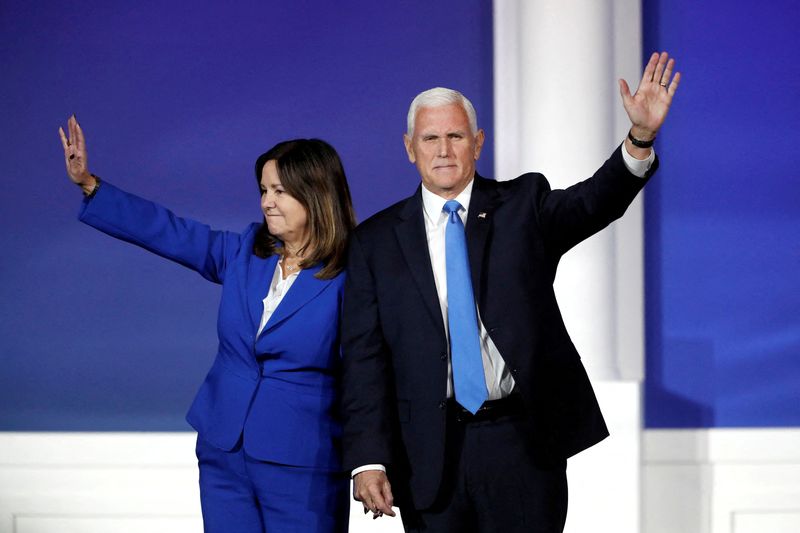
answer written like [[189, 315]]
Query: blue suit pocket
[[294, 424], [220, 407]]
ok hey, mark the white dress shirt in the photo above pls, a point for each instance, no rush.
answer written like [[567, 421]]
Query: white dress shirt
[[499, 382]]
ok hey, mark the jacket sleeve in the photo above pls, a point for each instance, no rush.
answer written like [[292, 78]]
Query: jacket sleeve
[[368, 419], [571, 215], [146, 224]]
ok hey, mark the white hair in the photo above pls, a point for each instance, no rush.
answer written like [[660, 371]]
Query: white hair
[[437, 97]]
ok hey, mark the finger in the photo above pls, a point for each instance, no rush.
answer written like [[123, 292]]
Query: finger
[[650, 69], [69, 150], [377, 500], [665, 78], [624, 92], [64, 142], [673, 86], [74, 151], [387, 494], [388, 499], [80, 140], [73, 131], [71, 128], [659, 72]]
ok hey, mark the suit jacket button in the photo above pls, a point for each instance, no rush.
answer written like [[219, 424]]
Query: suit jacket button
[[443, 357], [514, 371], [443, 404]]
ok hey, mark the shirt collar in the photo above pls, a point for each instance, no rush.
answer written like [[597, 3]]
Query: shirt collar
[[433, 203]]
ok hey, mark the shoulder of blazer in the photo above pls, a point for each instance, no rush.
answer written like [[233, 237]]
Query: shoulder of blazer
[[530, 184], [249, 235]]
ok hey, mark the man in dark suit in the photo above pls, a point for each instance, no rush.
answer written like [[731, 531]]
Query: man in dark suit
[[462, 386]]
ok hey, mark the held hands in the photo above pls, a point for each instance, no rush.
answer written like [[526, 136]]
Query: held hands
[[372, 489], [648, 106], [75, 155]]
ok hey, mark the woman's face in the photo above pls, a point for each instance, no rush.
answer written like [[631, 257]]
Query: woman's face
[[287, 219]]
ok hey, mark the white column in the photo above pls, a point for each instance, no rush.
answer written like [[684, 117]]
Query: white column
[[567, 133], [558, 111]]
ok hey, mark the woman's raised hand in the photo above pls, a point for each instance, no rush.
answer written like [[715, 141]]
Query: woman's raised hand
[[75, 155]]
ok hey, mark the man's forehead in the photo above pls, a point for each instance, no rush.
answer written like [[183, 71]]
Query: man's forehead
[[448, 118]]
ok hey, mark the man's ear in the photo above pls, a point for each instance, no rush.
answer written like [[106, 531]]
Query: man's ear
[[479, 138], [409, 148]]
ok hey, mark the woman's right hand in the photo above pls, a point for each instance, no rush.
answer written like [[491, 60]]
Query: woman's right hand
[[75, 156]]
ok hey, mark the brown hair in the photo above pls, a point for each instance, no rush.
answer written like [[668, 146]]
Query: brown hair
[[312, 173]]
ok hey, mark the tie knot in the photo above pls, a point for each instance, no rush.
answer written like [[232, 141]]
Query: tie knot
[[451, 206]]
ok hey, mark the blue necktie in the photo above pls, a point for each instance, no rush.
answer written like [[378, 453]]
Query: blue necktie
[[469, 381]]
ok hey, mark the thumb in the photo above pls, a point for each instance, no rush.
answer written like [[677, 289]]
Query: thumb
[[624, 92]]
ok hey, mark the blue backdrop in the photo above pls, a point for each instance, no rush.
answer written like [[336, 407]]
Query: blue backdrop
[[723, 219], [177, 103]]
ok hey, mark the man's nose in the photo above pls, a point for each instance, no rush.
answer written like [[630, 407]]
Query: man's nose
[[444, 148]]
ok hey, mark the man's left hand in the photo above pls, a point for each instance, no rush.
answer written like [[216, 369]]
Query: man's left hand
[[648, 106]]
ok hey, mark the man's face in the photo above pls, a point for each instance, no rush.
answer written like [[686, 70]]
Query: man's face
[[444, 149]]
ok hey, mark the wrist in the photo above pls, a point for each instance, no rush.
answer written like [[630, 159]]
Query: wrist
[[367, 468], [644, 142], [642, 134], [90, 185]]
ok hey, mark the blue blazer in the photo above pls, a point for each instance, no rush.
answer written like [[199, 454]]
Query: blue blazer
[[278, 390]]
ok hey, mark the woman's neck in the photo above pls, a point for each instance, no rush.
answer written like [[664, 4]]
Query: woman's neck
[[293, 251]]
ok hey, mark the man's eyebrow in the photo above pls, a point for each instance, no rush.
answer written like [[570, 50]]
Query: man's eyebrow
[[449, 132]]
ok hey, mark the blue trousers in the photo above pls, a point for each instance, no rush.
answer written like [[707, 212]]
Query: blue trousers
[[245, 495]]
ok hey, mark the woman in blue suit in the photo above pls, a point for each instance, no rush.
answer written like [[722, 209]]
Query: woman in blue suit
[[266, 415]]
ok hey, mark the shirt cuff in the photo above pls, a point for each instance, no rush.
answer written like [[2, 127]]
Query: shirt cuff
[[637, 167], [365, 468]]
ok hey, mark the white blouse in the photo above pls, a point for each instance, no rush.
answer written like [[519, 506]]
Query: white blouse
[[277, 290]]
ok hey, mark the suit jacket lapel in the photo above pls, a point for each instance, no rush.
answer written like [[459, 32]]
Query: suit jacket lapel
[[413, 241], [481, 207], [304, 289]]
